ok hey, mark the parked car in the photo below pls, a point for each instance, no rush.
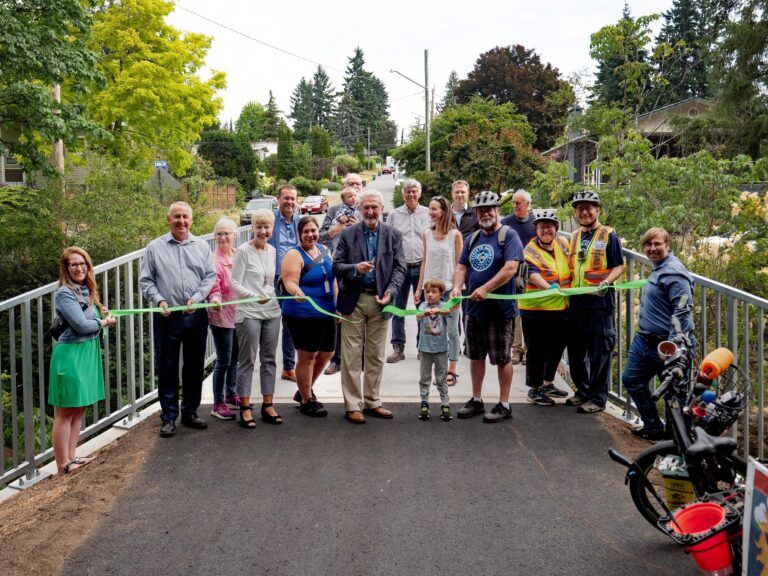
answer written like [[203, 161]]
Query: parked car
[[386, 169], [314, 205], [265, 202]]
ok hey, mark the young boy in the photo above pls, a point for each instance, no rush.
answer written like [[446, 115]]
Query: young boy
[[349, 208], [433, 345]]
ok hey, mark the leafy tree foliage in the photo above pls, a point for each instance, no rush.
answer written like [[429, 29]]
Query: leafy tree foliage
[[302, 109], [154, 105], [516, 74], [230, 155], [323, 99], [273, 121], [364, 106], [42, 43], [485, 143], [449, 99], [251, 121], [285, 161], [320, 142]]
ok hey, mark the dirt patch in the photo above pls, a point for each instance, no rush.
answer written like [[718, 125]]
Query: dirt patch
[[623, 440], [42, 525]]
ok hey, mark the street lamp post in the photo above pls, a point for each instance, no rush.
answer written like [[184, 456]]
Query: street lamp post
[[425, 87]]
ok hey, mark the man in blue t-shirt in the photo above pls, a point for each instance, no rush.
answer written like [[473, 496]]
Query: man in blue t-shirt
[[488, 262]]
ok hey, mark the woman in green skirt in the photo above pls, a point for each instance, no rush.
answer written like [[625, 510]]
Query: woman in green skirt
[[76, 376]]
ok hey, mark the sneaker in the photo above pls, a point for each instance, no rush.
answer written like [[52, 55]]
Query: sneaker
[[537, 396], [332, 368], [297, 396], [232, 401], [552, 390], [313, 409], [222, 412], [497, 414], [650, 435], [575, 400], [167, 429], [424, 411], [445, 413], [472, 408], [398, 354], [590, 408]]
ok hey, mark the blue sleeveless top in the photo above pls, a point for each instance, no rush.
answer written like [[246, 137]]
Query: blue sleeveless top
[[313, 284]]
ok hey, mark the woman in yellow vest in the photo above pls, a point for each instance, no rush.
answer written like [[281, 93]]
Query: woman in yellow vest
[[545, 318]]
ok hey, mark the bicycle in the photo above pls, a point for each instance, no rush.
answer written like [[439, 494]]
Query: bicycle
[[696, 464]]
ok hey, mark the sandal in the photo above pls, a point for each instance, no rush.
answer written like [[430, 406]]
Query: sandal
[[82, 460], [451, 378], [269, 418], [247, 423]]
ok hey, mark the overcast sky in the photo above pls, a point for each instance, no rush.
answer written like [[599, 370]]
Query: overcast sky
[[393, 35]]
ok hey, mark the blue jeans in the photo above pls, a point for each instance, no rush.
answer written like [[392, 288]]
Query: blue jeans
[[401, 301], [289, 351], [225, 370], [591, 337], [643, 364], [180, 333]]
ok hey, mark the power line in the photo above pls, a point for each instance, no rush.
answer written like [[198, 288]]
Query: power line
[[249, 37]]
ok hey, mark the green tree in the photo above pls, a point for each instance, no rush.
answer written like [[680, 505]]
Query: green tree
[[230, 155], [154, 104], [323, 99], [251, 121], [488, 144], [302, 160], [272, 119], [42, 43], [449, 98], [516, 74], [302, 109], [285, 162], [320, 142]]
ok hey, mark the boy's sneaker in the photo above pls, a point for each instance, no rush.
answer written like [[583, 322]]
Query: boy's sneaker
[[424, 411], [551, 390], [222, 412], [445, 413], [472, 408], [537, 396], [497, 414], [232, 401]]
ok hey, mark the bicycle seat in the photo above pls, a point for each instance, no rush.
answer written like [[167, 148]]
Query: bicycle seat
[[707, 445]]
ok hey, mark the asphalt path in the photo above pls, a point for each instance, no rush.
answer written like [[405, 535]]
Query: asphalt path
[[533, 495]]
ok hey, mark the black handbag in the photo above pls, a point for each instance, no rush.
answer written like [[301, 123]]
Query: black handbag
[[57, 327]]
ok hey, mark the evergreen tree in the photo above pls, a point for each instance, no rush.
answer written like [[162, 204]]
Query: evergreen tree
[[323, 99], [302, 109], [272, 120], [449, 99], [682, 72], [320, 142], [285, 163]]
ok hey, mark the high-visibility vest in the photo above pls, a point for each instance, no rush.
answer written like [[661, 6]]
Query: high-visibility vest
[[554, 267], [592, 267]]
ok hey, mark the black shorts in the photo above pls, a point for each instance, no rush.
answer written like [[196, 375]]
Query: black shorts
[[312, 334], [492, 338]]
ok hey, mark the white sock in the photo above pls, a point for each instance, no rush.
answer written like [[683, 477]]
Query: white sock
[[505, 404], [476, 399]]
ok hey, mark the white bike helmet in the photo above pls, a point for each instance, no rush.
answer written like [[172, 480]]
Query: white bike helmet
[[546, 214], [486, 199], [586, 195]]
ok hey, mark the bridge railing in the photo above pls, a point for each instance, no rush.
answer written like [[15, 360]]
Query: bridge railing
[[724, 316], [25, 349]]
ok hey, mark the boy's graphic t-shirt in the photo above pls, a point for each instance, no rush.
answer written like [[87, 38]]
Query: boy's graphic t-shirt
[[433, 332]]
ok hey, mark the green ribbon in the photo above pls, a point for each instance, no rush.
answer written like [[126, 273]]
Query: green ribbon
[[203, 305], [565, 292]]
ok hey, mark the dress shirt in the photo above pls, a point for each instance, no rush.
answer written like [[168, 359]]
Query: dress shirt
[[412, 225], [372, 247], [286, 238], [457, 214], [177, 271]]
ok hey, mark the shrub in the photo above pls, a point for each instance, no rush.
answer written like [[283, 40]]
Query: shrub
[[305, 186], [345, 163], [332, 186]]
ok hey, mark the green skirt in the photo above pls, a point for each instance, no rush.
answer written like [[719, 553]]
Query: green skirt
[[77, 374]]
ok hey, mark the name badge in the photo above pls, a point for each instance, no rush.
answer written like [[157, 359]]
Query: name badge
[[327, 287]]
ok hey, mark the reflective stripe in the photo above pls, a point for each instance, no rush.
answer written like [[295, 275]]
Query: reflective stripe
[[553, 268], [594, 268]]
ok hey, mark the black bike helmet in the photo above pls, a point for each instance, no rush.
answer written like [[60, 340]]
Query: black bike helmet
[[486, 199], [546, 215], [586, 195]]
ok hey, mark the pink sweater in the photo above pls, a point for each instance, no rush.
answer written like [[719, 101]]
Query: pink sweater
[[222, 292]]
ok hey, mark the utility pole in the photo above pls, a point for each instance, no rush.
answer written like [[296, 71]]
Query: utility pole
[[426, 110]]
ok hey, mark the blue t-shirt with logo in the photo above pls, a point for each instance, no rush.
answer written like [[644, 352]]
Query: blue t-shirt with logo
[[483, 261]]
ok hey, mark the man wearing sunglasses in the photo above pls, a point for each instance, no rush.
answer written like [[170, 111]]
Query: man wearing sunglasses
[[596, 260]]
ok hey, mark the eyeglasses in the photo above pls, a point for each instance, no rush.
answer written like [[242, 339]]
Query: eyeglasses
[[224, 233], [76, 265]]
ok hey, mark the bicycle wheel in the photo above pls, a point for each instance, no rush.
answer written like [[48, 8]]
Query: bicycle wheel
[[641, 496]]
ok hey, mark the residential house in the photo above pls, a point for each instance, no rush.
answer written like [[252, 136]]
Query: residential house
[[264, 148]]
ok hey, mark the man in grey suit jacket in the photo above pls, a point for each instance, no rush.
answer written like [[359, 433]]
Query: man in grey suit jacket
[[369, 265]]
